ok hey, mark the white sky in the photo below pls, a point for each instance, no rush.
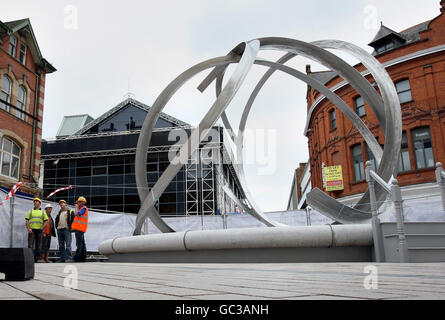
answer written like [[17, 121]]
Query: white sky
[[149, 43]]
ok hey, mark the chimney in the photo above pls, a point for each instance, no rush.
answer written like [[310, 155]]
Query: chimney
[[442, 6], [308, 66]]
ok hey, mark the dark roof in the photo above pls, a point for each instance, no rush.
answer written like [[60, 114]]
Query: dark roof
[[123, 104], [385, 33], [16, 23], [405, 37], [11, 27], [413, 34], [324, 76]]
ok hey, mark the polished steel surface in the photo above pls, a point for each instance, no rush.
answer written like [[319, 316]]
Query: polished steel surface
[[385, 107]]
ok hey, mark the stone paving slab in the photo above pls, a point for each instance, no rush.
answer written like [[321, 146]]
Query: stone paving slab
[[323, 281]]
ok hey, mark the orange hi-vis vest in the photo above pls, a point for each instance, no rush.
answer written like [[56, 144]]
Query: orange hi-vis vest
[[80, 223]]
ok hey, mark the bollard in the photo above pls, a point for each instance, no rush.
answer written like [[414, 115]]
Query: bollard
[[441, 183], [398, 206], [308, 216], [376, 226]]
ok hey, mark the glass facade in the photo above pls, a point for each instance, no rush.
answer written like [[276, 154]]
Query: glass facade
[[109, 183], [101, 167]]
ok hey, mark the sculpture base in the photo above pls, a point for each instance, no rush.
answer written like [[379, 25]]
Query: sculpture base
[[256, 255], [17, 264]]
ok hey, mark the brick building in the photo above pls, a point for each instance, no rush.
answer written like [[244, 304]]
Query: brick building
[[415, 60], [22, 82]]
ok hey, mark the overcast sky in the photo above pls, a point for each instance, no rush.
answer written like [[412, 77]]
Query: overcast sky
[[143, 45]]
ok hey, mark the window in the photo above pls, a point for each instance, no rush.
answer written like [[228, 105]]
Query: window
[[370, 157], [22, 54], [12, 45], [333, 119], [357, 161], [10, 158], [404, 91], [386, 46], [423, 147], [21, 102], [359, 106], [6, 92], [404, 161]]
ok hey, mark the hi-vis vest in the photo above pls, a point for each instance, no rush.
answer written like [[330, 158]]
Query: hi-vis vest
[[36, 218], [81, 223]]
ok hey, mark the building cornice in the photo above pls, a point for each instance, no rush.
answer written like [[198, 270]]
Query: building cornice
[[365, 73]]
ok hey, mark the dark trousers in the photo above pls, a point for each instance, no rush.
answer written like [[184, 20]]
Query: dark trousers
[[81, 250], [64, 237], [35, 239], [46, 244]]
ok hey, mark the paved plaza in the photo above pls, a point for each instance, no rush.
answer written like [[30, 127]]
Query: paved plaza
[[98, 281]]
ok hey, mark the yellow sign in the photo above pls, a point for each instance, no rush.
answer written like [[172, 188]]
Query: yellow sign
[[334, 178]]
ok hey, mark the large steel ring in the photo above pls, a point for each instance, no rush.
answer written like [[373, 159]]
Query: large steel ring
[[385, 107]]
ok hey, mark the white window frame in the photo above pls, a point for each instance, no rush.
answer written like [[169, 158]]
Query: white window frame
[[8, 100], [22, 44], [21, 104], [12, 155], [13, 45]]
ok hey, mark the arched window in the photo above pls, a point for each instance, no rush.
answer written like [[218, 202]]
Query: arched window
[[6, 92], [21, 102], [9, 158], [404, 91]]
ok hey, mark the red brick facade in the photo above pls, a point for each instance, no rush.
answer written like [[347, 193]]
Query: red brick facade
[[426, 75], [25, 130]]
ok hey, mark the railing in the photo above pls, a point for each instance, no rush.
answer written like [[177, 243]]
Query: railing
[[23, 115], [393, 189], [440, 177]]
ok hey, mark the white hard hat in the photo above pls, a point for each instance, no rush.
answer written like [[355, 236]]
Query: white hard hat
[[48, 206]]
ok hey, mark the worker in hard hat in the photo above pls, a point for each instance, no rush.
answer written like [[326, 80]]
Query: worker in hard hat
[[36, 221], [49, 231], [80, 226]]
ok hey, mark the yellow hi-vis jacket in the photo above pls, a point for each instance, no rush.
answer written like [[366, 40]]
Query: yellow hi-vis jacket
[[36, 218]]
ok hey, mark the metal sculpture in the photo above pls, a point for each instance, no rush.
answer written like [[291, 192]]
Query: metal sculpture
[[386, 108]]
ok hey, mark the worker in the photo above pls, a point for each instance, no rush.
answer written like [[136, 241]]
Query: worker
[[64, 220], [80, 226], [36, 221], [48, 232]]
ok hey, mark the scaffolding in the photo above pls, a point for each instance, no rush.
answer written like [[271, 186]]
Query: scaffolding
[[191, 180], [207, 180]]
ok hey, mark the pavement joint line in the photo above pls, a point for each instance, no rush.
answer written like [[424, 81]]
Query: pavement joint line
[[28, 294], [83, 291], [144, 290]]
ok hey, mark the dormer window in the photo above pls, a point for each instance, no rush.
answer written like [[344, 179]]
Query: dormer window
[[12, 45], [386, 40]]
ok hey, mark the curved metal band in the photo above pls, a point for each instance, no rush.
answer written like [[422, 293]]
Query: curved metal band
[[347, 72], [192, 144], [254, 210], [385, 110]]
